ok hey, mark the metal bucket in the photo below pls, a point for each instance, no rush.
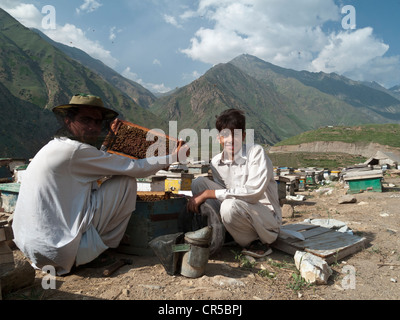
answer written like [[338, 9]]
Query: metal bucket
[[164, 248], [185, 253], [194, 260]]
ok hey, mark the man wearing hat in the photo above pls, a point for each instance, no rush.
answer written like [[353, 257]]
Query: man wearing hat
[[63, 217]]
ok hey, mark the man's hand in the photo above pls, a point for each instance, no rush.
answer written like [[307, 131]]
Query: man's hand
[[195, 202], [115, 125]]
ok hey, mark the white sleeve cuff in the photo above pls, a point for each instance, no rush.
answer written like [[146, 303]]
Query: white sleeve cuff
[[221, 194]]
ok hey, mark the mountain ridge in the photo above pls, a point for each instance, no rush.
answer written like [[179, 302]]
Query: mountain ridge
[[36, 74], [135, 91], [278, 99]]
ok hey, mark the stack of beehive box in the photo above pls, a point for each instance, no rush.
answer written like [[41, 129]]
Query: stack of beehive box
[[6, 254]]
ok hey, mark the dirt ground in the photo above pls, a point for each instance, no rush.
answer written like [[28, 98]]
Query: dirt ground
[[375, 216]]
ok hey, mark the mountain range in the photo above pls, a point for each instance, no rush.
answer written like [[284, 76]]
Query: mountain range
[[36, 76], [37, 73]]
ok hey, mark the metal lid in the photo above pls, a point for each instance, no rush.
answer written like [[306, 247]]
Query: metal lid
[[199, 237]]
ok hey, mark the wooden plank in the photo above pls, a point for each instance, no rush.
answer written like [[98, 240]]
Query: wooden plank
[[6, 234], [284, 246], [340, 253], [151, 193], [6, 254], [330, 241], [299, 226], [326, 243], [308, 230], [315, 232], [363, 177]]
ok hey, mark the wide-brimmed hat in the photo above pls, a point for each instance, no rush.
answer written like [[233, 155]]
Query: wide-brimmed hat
[[86, 100]]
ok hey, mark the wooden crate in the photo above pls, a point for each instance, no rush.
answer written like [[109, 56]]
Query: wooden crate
[[323, 242], [360, 185], [133, 141], [364, 181], [150, 220], [9, 196]]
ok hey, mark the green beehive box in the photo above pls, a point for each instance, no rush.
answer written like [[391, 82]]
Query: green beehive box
[[372, 184], [365, 181], [150, 220], [9, 196]]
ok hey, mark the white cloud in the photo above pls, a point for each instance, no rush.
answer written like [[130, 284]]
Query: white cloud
[[88, 6], [127, 73], [31, 17], [271, 29], [26, 14], [75, 37], [113, 33], [349, 50], [289, 34], [191, 76], [171, 20], [157, 62]]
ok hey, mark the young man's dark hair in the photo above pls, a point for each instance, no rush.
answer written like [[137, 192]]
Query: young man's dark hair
[[231, 119]]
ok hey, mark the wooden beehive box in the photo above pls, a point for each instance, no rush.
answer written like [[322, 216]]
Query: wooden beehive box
[[364, 181], [137, 142], [156, 214]]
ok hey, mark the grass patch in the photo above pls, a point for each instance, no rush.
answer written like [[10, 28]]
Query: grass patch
[[385, 134], [330, 160]]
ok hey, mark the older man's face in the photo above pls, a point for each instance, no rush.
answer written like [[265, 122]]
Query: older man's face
[[86, 125]]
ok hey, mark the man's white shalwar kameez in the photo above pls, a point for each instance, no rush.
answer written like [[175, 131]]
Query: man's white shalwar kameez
[[62, 217], [247, 202]]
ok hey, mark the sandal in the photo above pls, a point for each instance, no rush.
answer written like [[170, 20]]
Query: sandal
[[257, 250]]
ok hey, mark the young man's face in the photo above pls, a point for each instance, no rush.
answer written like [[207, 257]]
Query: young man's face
[[86, 125], [231, 142]]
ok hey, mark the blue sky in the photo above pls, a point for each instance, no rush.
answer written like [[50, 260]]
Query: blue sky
[[163, 44]]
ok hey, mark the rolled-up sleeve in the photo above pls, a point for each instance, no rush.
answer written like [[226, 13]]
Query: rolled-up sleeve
[[90, 164]]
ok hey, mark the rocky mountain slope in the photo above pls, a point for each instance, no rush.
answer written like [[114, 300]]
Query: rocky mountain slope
[[279, 102], [38, 76], [133, 90]]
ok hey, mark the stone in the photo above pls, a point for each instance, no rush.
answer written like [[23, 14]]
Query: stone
[[223, 281], [297, 197], [125, 292], [287, 211], [347, 199], [313, 269]]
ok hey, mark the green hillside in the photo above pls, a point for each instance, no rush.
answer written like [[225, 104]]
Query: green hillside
[[348, 102], [222, 87], [384, 134], [279, 103], [331, 160], [133, 90], [36, 76]]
